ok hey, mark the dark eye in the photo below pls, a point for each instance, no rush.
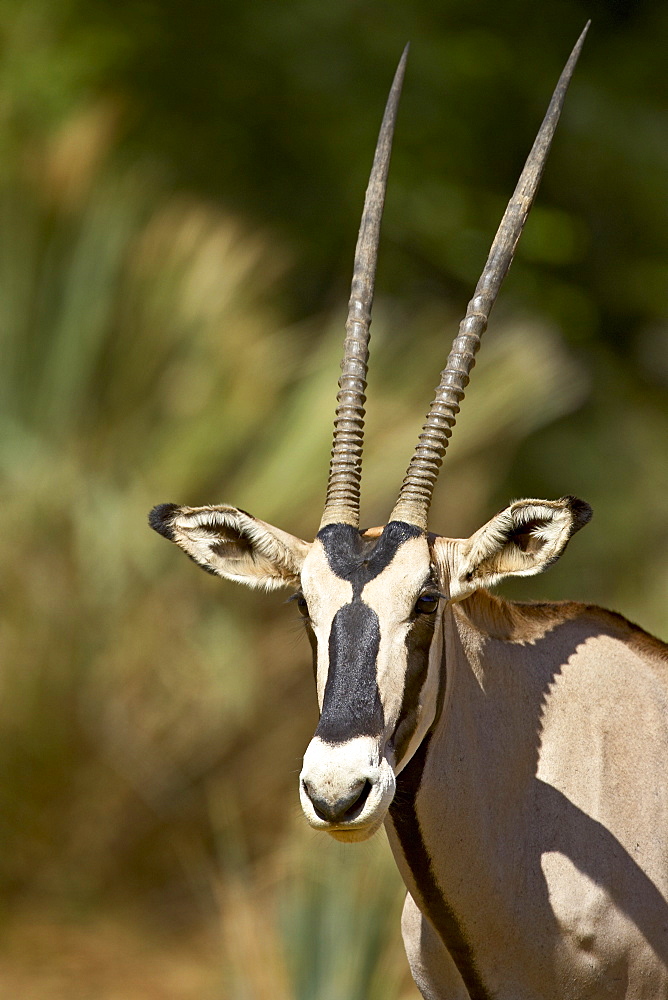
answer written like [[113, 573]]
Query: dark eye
[[426, 604], [302, 605]]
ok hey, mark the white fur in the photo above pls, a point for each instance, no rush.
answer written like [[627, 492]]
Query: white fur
[[332, 770], [392, 596], [274, 557], [490, 554]]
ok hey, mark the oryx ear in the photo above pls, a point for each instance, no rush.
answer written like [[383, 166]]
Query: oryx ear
[[522, 540], [233, 544]]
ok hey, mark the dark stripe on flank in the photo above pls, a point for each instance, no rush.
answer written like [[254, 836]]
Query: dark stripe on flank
[[430, 900], [351, 704]]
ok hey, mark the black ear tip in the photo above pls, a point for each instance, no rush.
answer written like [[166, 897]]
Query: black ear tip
[[160, 519], [581, 511]]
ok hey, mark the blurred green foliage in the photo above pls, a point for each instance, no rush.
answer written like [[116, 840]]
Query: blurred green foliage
[[180, 188]]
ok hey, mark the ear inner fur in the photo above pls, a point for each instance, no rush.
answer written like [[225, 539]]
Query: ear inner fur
[[229, 542], [522, 540]]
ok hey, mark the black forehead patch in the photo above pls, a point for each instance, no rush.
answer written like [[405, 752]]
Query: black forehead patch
[[357, 559]]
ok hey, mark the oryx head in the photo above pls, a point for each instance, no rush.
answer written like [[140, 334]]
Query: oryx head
[[373, 601]]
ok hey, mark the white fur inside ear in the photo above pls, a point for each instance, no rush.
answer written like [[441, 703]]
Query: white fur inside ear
[[239, 547], [522, 540]]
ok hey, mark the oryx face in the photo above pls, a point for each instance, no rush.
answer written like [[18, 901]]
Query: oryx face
[[370, 606], [373, 608]]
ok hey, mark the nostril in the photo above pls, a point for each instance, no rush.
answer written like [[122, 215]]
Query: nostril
[[356, 808], [323, 811], [344, 810]]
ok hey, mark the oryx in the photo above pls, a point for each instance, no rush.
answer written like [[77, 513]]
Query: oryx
[[516, 753]]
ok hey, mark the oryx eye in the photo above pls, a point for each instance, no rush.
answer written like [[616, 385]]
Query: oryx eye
[[426, 604], [302, 605]]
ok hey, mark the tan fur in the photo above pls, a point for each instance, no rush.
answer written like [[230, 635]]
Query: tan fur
[[526, 622], [373, 532], [544, 804]]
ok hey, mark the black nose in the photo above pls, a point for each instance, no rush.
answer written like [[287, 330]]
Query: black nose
[[344, 810]]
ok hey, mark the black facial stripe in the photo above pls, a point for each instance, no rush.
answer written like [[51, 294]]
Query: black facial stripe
[[313, 643], [357, 559], [351, 704], [418, 644]]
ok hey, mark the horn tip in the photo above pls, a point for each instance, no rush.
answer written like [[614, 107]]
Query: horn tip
[[580, 42], [401, 68]]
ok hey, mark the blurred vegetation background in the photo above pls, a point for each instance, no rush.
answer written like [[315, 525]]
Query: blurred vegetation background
[[180, 189]]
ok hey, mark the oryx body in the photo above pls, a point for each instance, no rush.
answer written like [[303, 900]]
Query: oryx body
[[515, 753], [535, 840]]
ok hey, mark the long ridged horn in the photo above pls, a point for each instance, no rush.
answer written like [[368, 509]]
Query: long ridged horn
[[415, 495], [345, 469]]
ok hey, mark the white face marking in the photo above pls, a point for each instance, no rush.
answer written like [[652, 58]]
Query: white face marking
[[325, 594], [392, 595]]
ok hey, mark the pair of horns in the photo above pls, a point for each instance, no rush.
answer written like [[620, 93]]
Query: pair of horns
[[342, 503]]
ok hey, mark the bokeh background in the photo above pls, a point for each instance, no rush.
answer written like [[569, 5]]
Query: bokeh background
[[180, 189]]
